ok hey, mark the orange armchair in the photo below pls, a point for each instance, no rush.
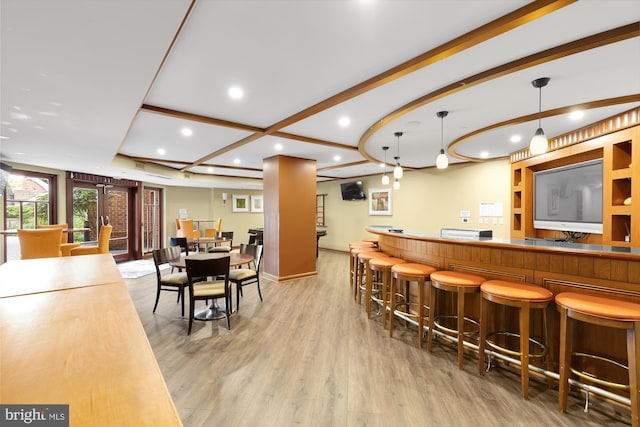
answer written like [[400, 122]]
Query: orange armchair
[[63, 227], [101, 248], [43, 243], [187, 230], [212, 232]]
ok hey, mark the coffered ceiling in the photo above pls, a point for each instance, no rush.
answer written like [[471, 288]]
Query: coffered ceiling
[[107, 87]]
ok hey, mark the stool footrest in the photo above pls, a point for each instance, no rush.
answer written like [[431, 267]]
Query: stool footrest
[[437, 324], [592, 378], [505, 350]]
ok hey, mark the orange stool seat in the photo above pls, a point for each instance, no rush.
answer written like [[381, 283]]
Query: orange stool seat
[[379, 286], [353, 254], [460, 284], [405, 274], [604, 311], [364, 273], [525, 297]]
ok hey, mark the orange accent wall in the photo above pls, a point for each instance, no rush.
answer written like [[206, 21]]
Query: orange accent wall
[[289, 217]]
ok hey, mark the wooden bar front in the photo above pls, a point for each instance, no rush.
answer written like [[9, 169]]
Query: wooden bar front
[[559, 267]]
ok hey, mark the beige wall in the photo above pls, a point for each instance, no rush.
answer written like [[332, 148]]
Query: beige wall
[[427, 201], [205, 203]]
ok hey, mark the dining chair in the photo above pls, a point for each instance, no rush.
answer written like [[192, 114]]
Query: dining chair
[[63, 227], [182, 243], [42, 243], [173, 282], [186, 227], [227, 246], [213, 232], [247, 276], [101, 248], [208, 280]]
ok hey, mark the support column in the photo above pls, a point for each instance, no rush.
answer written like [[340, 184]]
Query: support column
[[289, 217]]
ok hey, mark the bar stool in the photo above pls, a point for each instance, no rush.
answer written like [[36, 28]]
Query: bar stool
[[358, 272], [461, 284], [364, 274], [407, 273], [352, 246], [525, 297], [379, 286], [603, 311]]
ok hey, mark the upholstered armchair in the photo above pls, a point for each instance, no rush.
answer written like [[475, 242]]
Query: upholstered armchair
[[101, 248]]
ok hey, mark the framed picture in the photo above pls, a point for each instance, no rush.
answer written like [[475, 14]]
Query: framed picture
[[256, 204], [380, 201], [240, 203]]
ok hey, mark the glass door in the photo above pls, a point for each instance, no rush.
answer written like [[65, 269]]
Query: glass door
[[152, 222], [95, 205]]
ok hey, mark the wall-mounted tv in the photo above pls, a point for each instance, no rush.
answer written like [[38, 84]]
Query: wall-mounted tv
[[352, 191], [569, 198]]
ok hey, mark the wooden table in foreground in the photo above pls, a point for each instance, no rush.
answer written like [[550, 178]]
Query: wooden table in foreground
[[74, 337]]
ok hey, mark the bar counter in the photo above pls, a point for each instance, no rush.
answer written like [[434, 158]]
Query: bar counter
[[557, 266]]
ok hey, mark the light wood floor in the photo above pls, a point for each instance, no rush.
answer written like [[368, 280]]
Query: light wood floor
[[309, 356]]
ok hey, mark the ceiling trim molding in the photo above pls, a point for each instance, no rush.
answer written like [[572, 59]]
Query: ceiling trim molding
[[543, 114], [581, 45], [604, 127], [505, 23]]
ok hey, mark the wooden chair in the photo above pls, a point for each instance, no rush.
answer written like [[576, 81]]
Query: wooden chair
[[43, 243], [173, 282], [228, 236], [201, 287], [246, 276], [181, 242], [101, 248]]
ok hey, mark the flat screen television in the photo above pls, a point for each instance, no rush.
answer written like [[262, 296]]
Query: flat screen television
[[569, 198], [352, 191]]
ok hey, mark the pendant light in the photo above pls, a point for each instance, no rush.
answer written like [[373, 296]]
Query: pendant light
[[539, 143], [397, 171], [442, 161], [385, 177], [396, 184]]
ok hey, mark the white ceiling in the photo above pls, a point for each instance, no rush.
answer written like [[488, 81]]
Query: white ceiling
[[83, 81]]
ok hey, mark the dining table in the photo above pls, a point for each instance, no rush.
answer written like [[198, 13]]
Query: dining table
[[206, 241], [70, 335], [213, 310]]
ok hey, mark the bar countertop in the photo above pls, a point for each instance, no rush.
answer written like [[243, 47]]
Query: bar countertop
[[541, 245]]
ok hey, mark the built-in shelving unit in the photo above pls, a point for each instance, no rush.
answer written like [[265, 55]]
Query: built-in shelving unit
[[617, 141]]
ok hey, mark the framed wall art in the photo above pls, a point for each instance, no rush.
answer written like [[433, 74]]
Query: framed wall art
[[380, 201], [240, 203], [256, 204]]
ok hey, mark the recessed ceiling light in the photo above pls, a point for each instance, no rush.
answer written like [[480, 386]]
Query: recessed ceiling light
[[161, 151], [382, 165], [278, 147], [484, 154], [515, 138], [344, 121], [235, 92], [236, 161], [576, 115], [186, 131], [337, 158], [210, 170]]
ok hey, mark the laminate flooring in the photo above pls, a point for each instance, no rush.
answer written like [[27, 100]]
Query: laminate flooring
[[307, 355]]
